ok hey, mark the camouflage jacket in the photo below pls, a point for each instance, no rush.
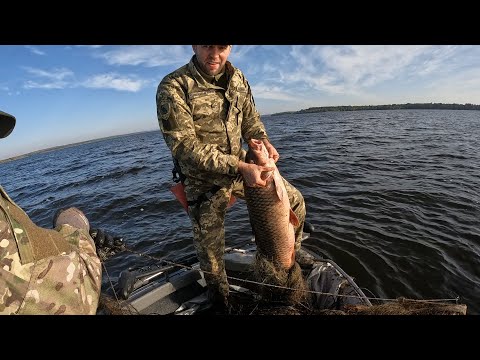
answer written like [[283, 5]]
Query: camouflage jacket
[[45, 271], [204, 125]]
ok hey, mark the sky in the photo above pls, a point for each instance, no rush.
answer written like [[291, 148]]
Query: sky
[[63, 94]]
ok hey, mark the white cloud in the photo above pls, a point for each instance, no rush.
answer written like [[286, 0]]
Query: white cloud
[[351, 68], [240, 52], [358, 74], [35, 50], [55, 78], [114, 81], [91, 46], [64, 78], [462, 87], [437, 59], [266, 91], [148, 55], [359, 71], [54, 74], [29, 84]]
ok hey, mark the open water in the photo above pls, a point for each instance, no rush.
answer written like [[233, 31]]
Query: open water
[[393, 195]]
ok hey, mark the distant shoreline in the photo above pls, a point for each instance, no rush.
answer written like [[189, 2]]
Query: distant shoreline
[[420, 106], [68, 145]]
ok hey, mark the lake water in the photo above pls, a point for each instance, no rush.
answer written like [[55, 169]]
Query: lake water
[[393, 196]]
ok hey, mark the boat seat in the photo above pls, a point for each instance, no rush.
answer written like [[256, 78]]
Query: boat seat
[[239, 260]]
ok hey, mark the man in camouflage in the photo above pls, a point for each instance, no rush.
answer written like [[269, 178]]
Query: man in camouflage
[[44, 271], [205, 111]]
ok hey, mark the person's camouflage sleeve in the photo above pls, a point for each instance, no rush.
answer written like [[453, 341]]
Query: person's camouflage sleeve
[[204, 125], [68, 282], [71, 283]]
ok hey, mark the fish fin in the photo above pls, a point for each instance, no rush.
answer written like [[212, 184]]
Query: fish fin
[[279, 187], [294, 219], [292, 259]]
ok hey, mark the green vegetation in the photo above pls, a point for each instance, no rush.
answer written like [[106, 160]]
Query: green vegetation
[[429, 106]]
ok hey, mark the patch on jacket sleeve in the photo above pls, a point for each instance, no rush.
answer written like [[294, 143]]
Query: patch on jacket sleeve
[[166, 116]]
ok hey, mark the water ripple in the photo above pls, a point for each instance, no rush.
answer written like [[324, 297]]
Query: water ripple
[[393, 195]]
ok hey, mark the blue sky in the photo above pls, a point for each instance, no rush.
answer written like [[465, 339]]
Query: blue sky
[[64, 94]]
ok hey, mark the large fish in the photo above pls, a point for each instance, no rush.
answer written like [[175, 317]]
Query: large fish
[[271, 216]]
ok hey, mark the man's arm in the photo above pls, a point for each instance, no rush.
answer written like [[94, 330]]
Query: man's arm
[[67, 283]]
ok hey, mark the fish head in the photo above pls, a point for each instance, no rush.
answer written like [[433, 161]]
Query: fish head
[[257, 152]]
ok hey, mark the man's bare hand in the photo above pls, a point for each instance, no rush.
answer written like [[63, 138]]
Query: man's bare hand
[[254, 175], [272, 152]]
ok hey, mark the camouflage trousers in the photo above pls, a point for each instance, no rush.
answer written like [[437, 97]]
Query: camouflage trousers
[[208, 220]]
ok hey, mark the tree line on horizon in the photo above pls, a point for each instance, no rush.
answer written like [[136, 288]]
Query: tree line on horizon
[[424, 106]]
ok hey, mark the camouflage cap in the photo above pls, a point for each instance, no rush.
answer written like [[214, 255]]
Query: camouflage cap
[[7, 123]]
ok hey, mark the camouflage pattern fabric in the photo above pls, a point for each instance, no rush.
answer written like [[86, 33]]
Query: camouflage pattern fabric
[[208, 220], [204, 126], [65, 279]]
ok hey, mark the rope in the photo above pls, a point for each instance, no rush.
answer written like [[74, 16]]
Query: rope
[[129, 308], [287, 288]]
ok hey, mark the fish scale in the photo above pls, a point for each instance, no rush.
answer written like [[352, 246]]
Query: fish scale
[[270, 219]]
